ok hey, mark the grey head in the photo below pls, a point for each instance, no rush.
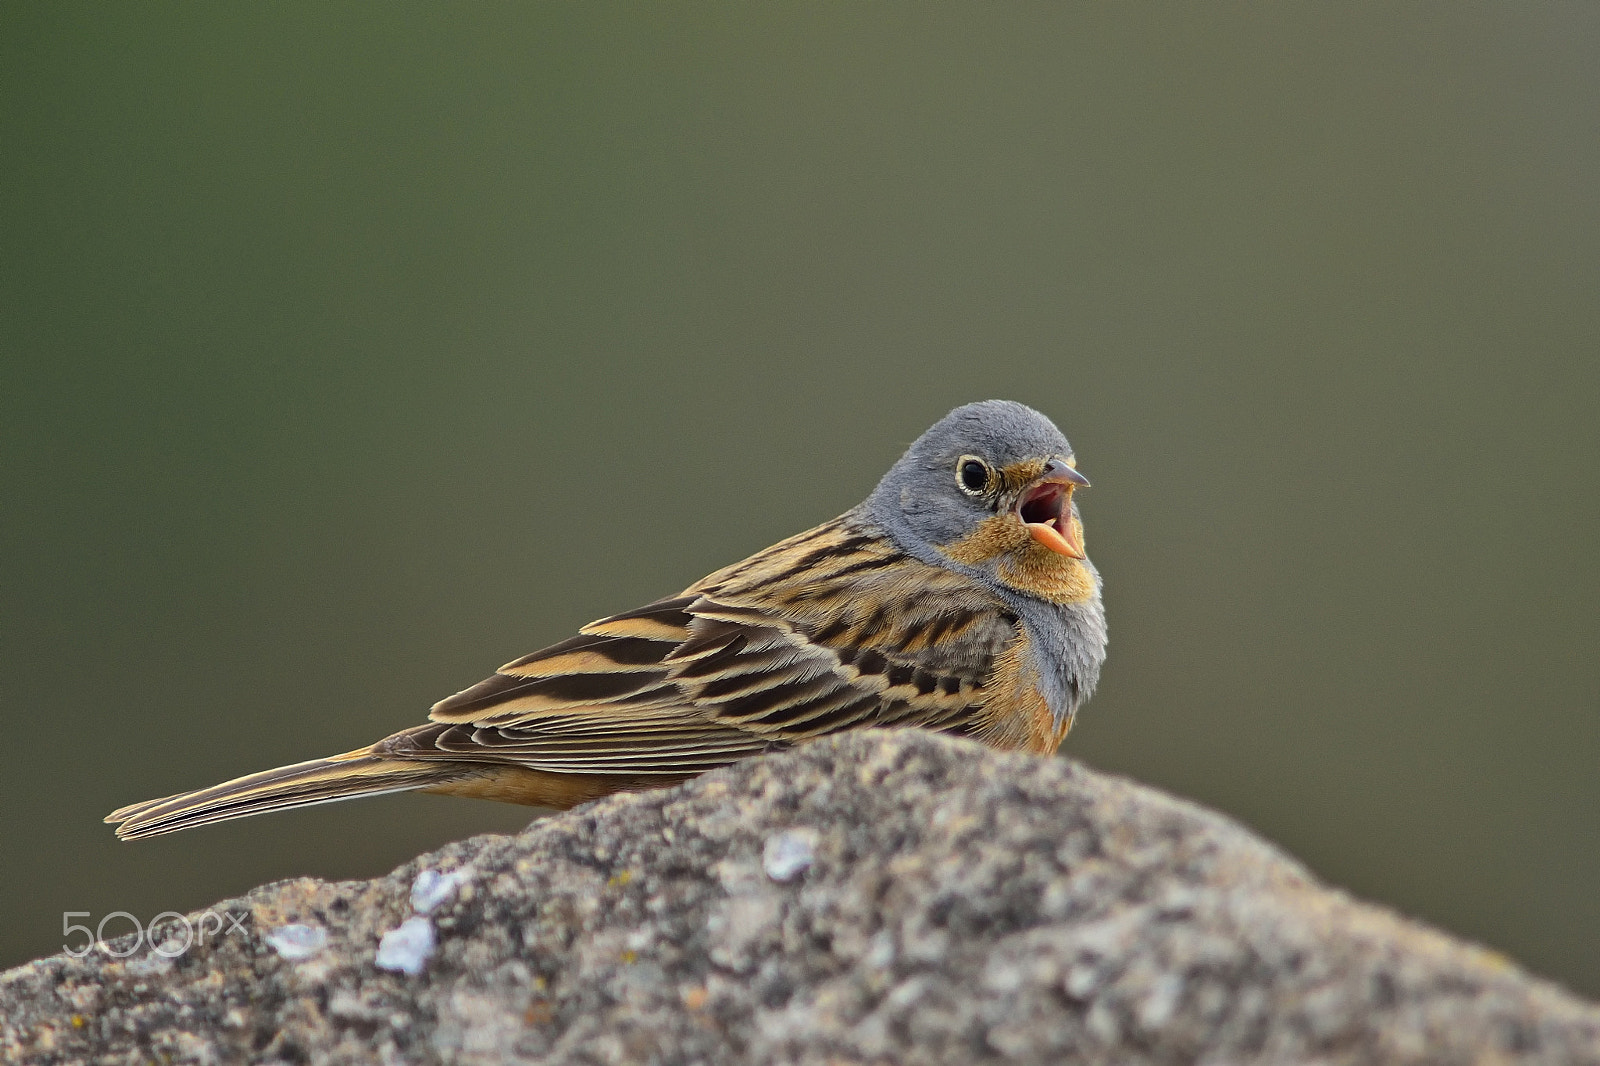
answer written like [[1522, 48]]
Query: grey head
[[924, 503]]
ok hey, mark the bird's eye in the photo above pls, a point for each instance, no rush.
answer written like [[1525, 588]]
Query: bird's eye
[[972, 474]]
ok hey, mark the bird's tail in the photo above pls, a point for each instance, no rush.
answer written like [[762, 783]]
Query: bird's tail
[[339, 777]]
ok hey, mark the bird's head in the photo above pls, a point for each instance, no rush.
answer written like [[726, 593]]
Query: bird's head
[[990, 487]]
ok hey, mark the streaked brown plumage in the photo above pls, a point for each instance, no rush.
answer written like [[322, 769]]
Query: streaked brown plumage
[[849, 624]]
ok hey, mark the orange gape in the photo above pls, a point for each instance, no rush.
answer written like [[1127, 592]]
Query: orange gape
[[957, 597]]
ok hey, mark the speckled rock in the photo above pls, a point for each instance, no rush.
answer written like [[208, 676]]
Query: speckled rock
[[878, 898]]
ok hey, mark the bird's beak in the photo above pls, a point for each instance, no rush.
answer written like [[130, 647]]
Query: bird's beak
[[1045, 507]]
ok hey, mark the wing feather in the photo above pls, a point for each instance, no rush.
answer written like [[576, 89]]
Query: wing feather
[[829, 630]]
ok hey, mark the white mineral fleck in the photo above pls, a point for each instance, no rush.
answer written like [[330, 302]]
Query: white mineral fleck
[[789, 854], [407, 948], [296, 942], [432, 888], [1162, 1003]]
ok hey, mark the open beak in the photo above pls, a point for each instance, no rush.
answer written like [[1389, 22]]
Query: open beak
[[1045, 507]]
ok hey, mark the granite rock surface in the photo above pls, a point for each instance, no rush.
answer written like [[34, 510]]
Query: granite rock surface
[[882, 897]]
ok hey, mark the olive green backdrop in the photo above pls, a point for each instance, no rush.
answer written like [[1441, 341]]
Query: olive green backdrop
[[352, 351]]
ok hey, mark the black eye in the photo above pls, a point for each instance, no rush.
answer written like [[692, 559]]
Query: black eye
[[973, 474]]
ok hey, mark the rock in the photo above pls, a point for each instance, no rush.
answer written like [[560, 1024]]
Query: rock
[[880, 897]]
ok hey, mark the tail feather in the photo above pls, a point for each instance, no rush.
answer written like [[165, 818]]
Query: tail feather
[[341, 777]]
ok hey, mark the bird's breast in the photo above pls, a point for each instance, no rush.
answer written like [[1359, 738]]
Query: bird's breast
[[1017, 715]]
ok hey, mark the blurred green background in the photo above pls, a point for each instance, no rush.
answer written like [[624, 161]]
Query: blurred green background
[[350, 352]]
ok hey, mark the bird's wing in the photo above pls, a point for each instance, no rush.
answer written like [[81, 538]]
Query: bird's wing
[[829, 630]]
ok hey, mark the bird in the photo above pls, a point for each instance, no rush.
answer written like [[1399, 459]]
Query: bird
[[957, 597]]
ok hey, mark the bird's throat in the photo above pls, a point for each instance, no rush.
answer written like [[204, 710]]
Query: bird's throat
[[1022, 563]]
